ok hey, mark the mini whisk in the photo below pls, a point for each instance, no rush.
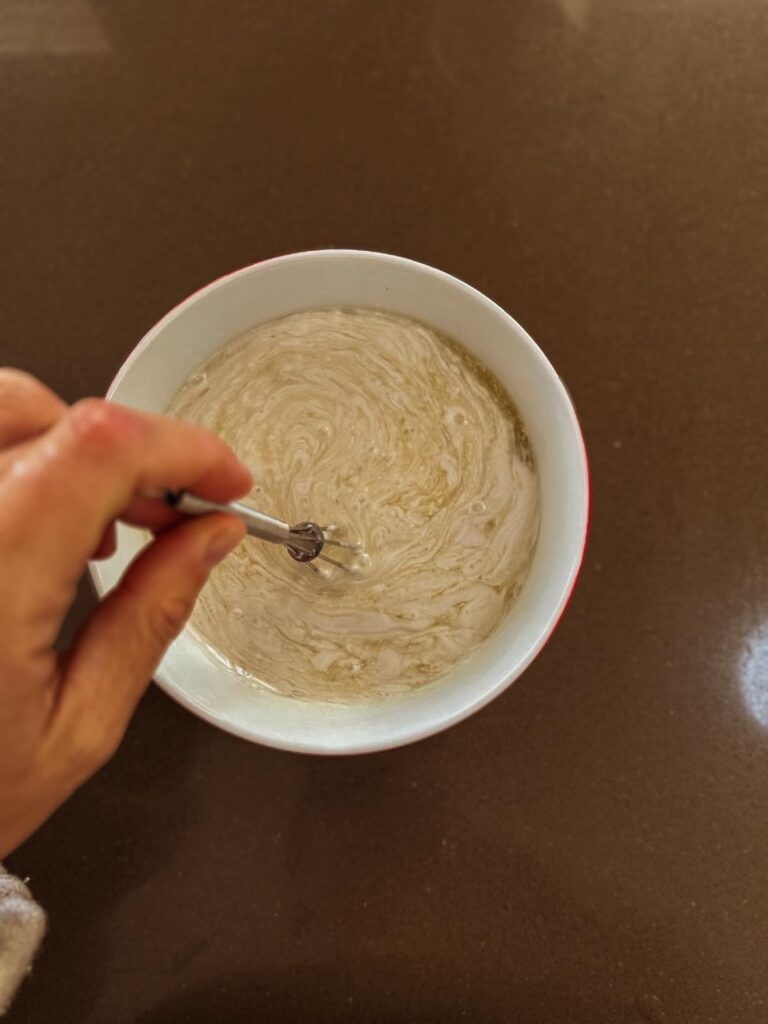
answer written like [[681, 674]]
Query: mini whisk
[[304, 542]]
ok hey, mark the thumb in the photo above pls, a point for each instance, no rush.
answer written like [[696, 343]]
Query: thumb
[[123, 643]]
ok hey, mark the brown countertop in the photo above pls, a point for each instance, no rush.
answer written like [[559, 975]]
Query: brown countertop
[[593, 846]]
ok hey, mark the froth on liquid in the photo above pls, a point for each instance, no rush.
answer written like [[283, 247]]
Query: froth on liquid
[[376, 422]]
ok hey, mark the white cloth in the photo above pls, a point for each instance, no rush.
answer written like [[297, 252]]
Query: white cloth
[[22, 925]]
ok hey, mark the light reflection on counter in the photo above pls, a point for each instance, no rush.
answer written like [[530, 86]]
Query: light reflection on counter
[[753, 673]]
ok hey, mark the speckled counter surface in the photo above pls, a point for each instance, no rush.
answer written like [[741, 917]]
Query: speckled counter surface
[[593, 846]]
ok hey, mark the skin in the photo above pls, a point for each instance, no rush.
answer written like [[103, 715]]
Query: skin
[[66, 475]]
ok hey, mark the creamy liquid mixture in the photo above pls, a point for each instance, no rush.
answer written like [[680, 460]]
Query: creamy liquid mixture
[[372, 421]]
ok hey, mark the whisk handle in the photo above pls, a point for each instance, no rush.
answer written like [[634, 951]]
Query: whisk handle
[[258, 524]]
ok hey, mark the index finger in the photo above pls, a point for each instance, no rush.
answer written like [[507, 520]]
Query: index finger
[[65, 489], [27, 407]]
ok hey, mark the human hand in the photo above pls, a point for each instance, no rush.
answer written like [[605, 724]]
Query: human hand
[[66, 474]]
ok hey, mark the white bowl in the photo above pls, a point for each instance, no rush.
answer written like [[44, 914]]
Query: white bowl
[[227, 307]]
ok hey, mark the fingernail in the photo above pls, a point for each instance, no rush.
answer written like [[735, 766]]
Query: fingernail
[[221, 544]]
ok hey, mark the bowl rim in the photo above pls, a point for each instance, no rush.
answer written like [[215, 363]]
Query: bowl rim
[[421, 729]]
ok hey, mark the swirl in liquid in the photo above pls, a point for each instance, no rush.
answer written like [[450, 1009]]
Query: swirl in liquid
[[373, 421]]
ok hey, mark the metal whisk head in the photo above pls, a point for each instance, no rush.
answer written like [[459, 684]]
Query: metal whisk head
[[305, 542], [320, 537]]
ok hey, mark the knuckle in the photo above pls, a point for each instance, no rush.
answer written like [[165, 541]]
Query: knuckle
[[167, 618], [96, 744], [21, 393], [99, 425], [18, 382]]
